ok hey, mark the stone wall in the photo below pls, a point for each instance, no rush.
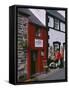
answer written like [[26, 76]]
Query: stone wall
[[22, 44]]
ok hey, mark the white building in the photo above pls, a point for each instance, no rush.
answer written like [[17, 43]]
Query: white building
[[56, 28]]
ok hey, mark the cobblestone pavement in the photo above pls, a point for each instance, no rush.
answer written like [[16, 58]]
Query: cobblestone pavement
[[54, 74]]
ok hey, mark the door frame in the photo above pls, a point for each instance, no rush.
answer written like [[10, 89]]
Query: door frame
[[33, 51]]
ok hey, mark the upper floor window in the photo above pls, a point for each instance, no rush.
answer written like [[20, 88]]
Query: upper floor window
[[37, 32], [50, 21], [62, 26], [56, 24]]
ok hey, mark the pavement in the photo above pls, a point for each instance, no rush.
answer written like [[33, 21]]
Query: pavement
[[53, 74]]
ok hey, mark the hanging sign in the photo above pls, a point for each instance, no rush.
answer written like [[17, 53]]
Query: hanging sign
[[38, 43]]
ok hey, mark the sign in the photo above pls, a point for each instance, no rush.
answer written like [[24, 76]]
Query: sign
[[38, 43]]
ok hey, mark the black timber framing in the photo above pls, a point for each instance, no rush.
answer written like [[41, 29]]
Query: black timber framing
[[54, 17]]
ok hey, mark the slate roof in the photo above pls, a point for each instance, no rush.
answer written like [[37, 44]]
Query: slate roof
[[56, 14], [32, 17]]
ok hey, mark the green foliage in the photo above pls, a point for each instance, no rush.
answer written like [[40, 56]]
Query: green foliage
[[22, 44]]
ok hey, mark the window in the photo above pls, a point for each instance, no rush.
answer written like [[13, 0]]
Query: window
[[62, 26], [56, 24], [56, 46], [50, 21], [37, 32]]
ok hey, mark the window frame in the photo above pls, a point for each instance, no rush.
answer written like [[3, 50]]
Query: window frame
[[37, 32], [60, 21], [56, 23]]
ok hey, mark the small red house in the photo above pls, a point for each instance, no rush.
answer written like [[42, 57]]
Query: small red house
[[37, 40], [37, 48]]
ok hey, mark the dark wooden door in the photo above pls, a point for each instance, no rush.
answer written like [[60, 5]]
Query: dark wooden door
[[33, 62]]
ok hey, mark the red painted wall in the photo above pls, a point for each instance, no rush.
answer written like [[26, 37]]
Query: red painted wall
[[31, 45]]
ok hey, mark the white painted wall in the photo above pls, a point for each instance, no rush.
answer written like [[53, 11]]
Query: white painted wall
[[56, 36]]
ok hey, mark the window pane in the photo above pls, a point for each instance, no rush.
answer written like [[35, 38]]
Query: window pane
[[50, 21], [62, 26], [38, 32], [56, 24]]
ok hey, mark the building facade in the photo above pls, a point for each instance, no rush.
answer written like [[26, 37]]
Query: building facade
[[56, 31], [55, 24], [32, 45]]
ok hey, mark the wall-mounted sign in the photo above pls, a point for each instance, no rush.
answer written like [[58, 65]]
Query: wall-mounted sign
[[38, 43]]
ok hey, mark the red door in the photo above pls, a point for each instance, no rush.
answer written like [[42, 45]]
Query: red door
[[34, 55]]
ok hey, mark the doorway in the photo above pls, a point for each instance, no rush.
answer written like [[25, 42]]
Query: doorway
[[33, 62]]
